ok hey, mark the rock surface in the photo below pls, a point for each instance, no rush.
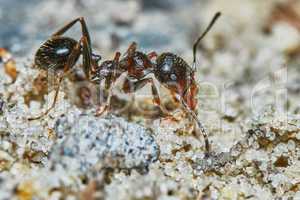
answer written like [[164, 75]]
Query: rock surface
[[111, 142]]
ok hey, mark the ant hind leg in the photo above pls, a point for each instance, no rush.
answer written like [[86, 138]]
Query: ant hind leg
[[72, 59], [132, 86], [199, 124], [66, 27], [131, 49]]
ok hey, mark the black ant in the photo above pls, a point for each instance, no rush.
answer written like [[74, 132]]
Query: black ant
[[61, 53]]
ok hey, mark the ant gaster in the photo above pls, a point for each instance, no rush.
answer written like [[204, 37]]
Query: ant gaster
[[61, 53]]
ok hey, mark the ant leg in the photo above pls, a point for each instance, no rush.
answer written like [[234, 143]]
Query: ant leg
[[127, 86], [115, 74], [132, 48], [156, 100], [109, 84], [189, 95], [74, 54], [53, 103], [103, 108], [132, 86], [86, 57], [200, 125], [116, 62], [84, 29]]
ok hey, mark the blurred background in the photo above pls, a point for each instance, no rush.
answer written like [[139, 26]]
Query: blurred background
[[153, 24]]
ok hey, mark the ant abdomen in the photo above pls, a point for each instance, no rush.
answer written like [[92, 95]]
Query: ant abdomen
[[53, 55]]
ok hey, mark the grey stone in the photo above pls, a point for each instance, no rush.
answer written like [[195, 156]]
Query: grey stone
[[88, 141]]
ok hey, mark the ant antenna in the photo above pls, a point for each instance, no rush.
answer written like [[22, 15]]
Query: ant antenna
[[212, 22]]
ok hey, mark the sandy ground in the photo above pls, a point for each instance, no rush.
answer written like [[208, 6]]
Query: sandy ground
[[248, 73]]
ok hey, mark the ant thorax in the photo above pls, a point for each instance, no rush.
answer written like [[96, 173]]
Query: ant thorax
[[138, 65]]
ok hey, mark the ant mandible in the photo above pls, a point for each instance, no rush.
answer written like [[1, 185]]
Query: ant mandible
[[59, 54]]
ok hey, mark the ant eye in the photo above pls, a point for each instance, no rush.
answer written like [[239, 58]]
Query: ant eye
[[173, 77]]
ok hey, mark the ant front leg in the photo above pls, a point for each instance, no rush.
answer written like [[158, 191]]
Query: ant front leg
[[130, 86], [190, 95], [200, 125]]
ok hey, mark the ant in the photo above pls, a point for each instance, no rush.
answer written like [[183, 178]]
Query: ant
[[169, 69], [60, 54]]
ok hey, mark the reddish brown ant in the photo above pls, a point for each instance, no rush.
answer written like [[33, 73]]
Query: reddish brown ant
[[169, 69], [59, 54]]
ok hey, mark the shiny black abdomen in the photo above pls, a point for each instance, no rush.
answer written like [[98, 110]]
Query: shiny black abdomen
[[54, 53]]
